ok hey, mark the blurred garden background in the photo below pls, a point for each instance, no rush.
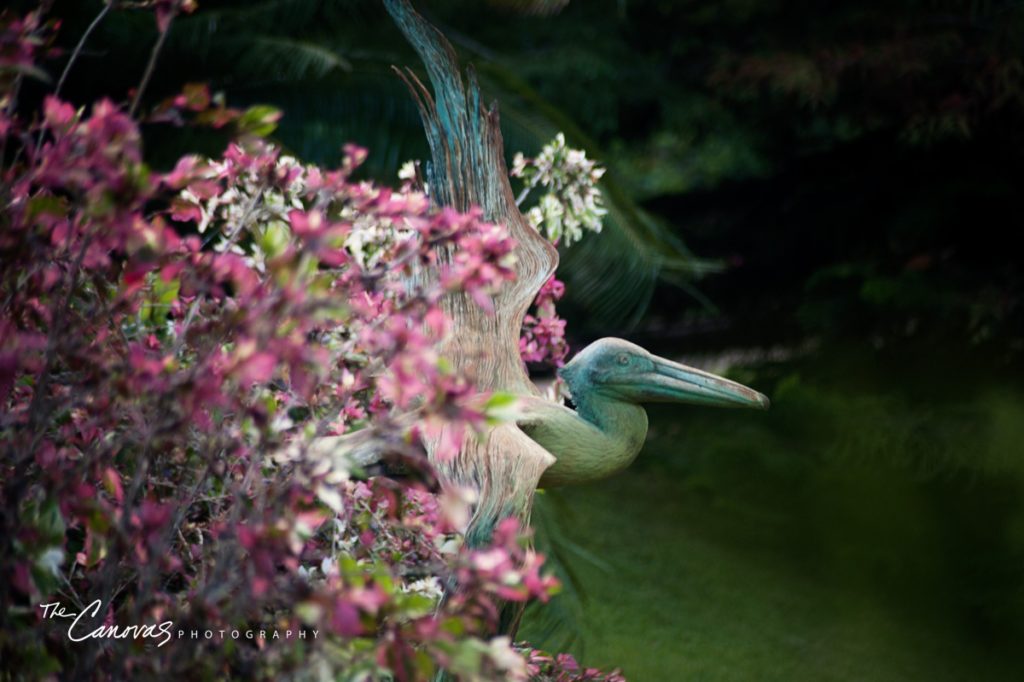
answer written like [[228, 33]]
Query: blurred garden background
[[820, 199]]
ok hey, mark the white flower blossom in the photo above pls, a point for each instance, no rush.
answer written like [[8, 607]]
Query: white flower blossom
[[507, 659], [572, 202], [429, 587], [407, 171], [51, 560], [248, 205]]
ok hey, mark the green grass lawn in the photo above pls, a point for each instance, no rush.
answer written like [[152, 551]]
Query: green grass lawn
[[811, 542]]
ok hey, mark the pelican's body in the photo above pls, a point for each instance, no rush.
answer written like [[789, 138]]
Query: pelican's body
[[585, 449], [608, 381]]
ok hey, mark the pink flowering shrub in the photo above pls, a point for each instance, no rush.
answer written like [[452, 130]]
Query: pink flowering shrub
[[169, 344], [543, 337], [543, 667]]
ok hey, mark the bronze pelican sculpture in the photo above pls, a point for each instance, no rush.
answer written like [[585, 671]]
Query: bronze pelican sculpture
[[547, 444]]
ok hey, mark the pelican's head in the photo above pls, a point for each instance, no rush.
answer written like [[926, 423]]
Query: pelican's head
[[622, 370]]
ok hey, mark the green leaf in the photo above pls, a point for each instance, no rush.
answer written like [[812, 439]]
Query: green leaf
[[500, 399], [50, 523], [501, 407], [28, 70], [274, 239], [259, 120]]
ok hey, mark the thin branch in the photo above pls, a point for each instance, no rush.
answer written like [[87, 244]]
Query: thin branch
[[151, 65], [243, 222], [81, 43], [522, 195]]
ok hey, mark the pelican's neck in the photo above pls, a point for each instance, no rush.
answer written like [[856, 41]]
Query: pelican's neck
[[623, 425], [605, 412]]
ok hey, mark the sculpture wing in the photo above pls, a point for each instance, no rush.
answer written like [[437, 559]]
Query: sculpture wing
[[468, 169]]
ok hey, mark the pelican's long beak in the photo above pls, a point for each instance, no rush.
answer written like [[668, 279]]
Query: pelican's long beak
[[674, 382]]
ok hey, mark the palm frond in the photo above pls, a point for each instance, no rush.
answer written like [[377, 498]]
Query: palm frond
[[612, 277], [367, 107], [286, 59], [555, 625]]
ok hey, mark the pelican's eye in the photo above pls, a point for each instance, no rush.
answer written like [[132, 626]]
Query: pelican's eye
[[623, 359]]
